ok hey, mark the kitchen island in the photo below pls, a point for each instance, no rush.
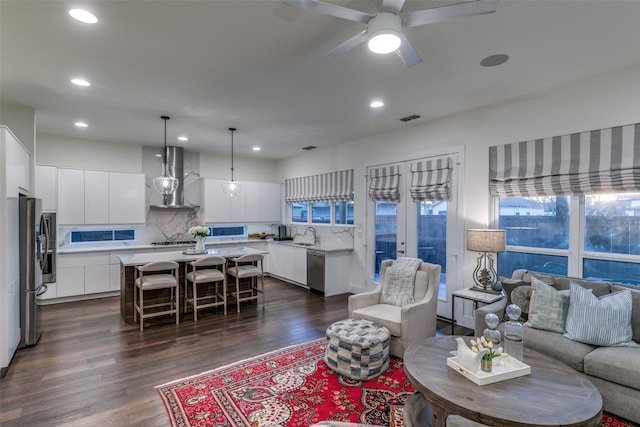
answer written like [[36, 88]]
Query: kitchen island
[[129, 262]]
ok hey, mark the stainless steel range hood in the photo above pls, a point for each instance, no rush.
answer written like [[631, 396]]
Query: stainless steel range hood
[[175, 167]]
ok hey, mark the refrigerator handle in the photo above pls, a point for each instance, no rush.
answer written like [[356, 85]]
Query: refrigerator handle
[[41, 289], [44, 237]]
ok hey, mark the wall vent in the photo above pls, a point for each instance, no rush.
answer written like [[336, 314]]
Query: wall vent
[[409, 118], [309, 147]]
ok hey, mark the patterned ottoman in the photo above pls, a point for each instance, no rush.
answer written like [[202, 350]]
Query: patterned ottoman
[[358, 349]]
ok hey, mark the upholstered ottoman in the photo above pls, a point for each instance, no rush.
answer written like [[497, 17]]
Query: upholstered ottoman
[[358, 349]]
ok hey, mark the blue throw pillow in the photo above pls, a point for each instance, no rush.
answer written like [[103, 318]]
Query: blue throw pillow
[[548, 308], [604, 321]]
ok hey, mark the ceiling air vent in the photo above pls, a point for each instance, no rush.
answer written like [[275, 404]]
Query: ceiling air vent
[[409, 118], [309, 147]]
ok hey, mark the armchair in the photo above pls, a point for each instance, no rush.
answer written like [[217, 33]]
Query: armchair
[[409, 323]]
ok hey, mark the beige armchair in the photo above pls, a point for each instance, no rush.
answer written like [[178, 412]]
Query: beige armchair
[[409, 323]]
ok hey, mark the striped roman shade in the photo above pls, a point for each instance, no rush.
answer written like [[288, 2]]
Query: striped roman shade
[[332, 186], [384, 182], [605, 160], [431, 179]]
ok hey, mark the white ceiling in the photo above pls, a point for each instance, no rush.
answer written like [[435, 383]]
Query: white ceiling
[[254, 65]]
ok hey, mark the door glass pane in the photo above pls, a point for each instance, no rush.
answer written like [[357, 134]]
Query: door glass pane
[[612, 223], [432, 237], [344, 213], [300, 212], [386, 218], [539, 222], [320, 212]]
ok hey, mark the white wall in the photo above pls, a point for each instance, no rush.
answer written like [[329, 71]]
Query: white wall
[[22, 122], [217, 166], [68, 152], [598, 102]]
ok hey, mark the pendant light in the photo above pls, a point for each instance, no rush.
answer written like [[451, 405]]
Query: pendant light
[[165, 184], [232, 187]]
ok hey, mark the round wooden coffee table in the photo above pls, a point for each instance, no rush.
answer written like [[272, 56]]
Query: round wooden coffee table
[[552, 395]]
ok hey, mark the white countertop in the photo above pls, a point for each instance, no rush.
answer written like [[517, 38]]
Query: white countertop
[[179, 255], [87, 248]]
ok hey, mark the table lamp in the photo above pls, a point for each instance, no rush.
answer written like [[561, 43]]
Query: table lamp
[[486, 242]]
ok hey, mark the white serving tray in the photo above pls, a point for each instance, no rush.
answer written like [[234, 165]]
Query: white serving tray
[[505, 369]]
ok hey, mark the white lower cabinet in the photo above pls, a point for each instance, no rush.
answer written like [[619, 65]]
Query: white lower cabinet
[[82, 274], [70, 281], [287, 262], [337, 272]]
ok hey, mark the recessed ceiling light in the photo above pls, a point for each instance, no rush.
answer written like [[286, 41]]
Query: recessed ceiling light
[[376, 104], [256, 148], [81, 124], [80, 82], [83, 16], [183, 138], [158, 155], [494, 60]]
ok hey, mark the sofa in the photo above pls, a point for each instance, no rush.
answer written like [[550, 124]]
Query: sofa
[[613, 369]]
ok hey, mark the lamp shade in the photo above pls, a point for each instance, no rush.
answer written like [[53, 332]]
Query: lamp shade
[[485, 240]]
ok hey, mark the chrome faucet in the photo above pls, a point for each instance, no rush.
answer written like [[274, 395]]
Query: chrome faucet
[[315, 233]]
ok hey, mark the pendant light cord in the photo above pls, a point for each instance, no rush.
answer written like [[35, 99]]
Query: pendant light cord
[[165, 118], [232, 131]]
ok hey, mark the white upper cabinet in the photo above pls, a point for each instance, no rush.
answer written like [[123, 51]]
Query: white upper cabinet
[[98, 197], [70, 197], [258, 202], [217, 205], [18, 160], [269, 202], [127, 195], [46, 187]]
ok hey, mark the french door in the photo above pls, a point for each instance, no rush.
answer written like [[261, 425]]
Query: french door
[[423, 229]]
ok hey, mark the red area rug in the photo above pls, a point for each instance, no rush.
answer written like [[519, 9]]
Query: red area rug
[[291, 387]]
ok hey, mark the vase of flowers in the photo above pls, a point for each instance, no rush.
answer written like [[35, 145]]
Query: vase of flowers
[[199, 232], [486, 363]]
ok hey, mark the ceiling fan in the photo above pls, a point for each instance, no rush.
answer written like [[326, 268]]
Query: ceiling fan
[[384, 29]]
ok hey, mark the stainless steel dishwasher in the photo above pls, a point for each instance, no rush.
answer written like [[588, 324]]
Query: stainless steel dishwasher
[[315, 270]]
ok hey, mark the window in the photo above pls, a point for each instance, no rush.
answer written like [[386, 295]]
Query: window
[[228, 231], [324, 199], [600, 241], [343, 213], [322, 213], [85, 236], [300, 213]]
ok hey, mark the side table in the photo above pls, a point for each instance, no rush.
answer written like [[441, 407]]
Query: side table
[[471, 295]]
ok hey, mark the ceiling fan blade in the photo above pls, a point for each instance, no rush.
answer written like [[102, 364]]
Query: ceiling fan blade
[[407, 53], [392, 5], [331, 10], [448, 13], [345, 46]]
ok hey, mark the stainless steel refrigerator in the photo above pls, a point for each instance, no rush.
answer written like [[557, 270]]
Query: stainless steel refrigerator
[[34, 245]]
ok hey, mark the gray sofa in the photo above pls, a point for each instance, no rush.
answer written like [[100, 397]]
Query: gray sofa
[[615, 371]]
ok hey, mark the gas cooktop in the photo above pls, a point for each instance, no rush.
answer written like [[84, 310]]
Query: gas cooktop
[[174, 243]]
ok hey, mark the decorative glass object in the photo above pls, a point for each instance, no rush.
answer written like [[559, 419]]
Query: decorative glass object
[[491, 334], [486, 365], [513, 333]]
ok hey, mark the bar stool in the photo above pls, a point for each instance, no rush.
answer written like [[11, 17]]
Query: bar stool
[[247, 267], [200, 275], [150, 277]]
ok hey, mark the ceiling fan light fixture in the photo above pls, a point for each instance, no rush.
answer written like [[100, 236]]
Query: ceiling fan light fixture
[[384, 33]]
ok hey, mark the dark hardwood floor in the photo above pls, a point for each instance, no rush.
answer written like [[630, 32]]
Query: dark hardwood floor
[[91, 369]]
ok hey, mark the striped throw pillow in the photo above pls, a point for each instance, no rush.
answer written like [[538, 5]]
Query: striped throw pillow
[[604, 321]]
